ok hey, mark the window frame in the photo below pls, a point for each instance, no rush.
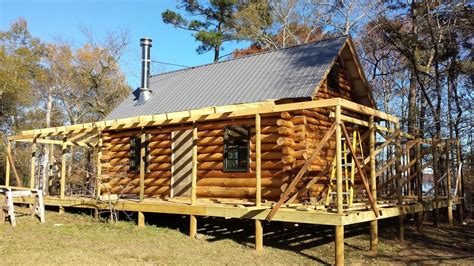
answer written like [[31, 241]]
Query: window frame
[[226, 168], [135, 153]]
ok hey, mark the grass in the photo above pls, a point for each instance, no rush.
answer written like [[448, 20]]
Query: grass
[[77, 238]]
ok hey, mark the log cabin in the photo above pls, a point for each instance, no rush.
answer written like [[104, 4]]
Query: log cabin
[[290, 135], [226, 147]]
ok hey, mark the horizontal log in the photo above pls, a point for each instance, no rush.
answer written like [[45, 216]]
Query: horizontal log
[[210, 157], [266, 138], [119, 147], [267, 147], [210, 149], [286, 150], [159, 144], [272, 156], [159, 166], [287, 159], [136, 182], [241, 182], [210, 141], [112, 141], [151, 174], [286, 115], [236, 192], [160, 151], [222, 174], [108, 155], [285, 131], [149, 191], [285, 123], [159, 137], [283, 141], [298, 120], [315, 121], [160, 159], [119, 161], [266, 165]]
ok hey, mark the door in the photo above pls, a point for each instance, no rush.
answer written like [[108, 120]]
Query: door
[[181, 163]]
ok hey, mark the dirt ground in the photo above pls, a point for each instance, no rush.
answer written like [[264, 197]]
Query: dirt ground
[[77, 238]]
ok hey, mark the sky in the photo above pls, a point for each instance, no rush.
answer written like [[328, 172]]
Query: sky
[[51, 20]]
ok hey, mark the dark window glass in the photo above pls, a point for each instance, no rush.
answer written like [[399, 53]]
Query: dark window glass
[[333, 78], [236, 148], [135, 151]]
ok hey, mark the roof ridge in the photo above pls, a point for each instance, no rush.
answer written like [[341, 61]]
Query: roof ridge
[[250, 55]]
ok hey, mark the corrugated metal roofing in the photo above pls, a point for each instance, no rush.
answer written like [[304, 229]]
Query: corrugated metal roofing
[[280, 74]]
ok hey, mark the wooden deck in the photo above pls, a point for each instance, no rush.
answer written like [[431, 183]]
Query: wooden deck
[[295, 213]]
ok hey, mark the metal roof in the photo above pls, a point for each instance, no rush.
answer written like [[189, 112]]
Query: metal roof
[[292, 72]]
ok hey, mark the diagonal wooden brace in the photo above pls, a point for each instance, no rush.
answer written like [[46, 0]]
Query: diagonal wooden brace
[[301, 172]]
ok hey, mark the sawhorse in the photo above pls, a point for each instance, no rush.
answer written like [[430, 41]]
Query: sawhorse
[[7, 209]]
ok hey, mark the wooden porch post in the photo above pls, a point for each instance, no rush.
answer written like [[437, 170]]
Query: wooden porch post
[[374, 238], [7, 163], [192, 218], [339, 230], [32, 164], [398, 154], [448, 184], [143, 146], [62, 182], [258, 182], [99, 166], [419, 183]]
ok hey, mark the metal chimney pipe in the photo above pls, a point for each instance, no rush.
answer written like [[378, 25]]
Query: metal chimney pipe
[[145, 92]]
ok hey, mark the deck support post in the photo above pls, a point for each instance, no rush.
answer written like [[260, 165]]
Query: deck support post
[[62, 181], [339, 242], [419, 184], [192, 226], [258, 236], [32, 164], [448, 183], [398, 184], [7, 163], [374, 238], [339, 230], [192, 218], [258, 182], [141, 219]]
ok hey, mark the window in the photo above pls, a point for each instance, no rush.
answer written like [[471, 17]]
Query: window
[[236, 148], [333, 78], [135, 152]]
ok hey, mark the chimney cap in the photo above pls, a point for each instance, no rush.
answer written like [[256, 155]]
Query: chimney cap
[[145, 41]]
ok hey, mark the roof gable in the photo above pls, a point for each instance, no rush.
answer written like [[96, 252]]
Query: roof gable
[[288, 73]]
